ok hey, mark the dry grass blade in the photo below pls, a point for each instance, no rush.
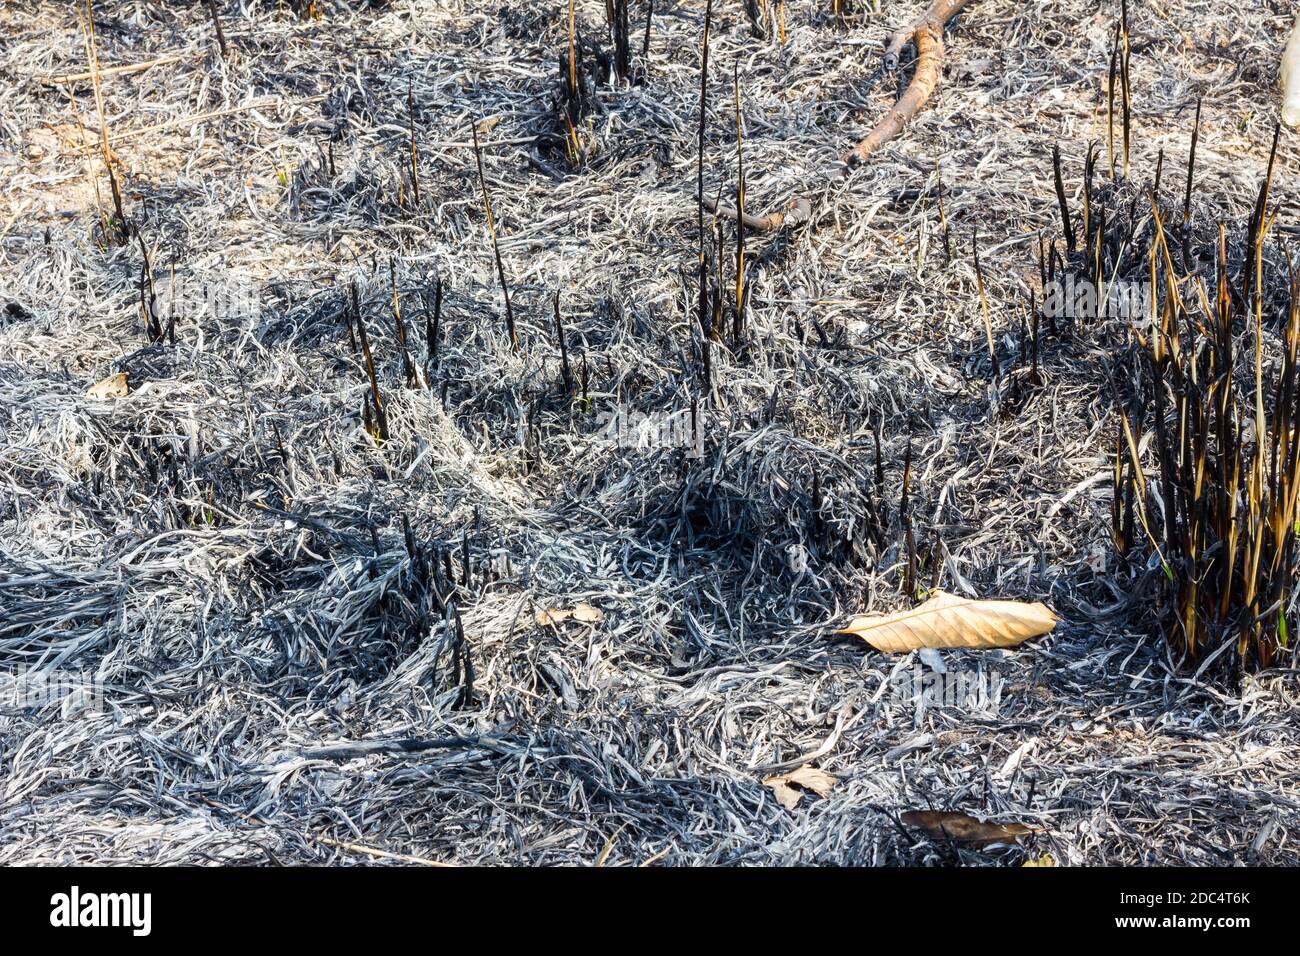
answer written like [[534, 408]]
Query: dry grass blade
[[125, 69], [376, 852], [946, 620], [963, 828]]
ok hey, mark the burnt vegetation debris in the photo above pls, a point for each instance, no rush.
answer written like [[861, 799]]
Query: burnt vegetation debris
[[502, 356]]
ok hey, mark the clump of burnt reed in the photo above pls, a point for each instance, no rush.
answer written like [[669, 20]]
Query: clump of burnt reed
[[622, 37], [576, 97], [721, 304], [373, 414], [149, 317], [115, 228], [1221, 513], [1203, 322], [583, 66], [1205, 466], [408, 187]]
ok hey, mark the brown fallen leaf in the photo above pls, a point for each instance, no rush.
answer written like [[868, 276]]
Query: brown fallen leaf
[[946, 620], [789, 787], [115, 386], [963, 828], [582, 612]]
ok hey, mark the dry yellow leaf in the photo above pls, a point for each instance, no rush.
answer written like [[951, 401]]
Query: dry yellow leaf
[[581, 612], [963, 828], [946, 620], [1044, 860], [789, 787], [115, 386]]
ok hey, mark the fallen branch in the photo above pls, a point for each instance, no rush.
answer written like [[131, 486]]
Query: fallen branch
[[926, 34]]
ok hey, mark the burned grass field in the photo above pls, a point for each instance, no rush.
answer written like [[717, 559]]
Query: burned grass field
[[411, 468]]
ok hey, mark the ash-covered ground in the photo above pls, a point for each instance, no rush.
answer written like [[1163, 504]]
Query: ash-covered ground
[[307, 645]]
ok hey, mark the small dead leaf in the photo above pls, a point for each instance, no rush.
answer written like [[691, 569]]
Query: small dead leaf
[[1044, 860], [789, 787], [582, 612], [963, 828], [115, 386], [946, 620]]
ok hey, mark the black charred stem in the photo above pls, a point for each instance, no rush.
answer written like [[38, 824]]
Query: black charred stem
[[984, 307], [616, 13], [412, 549], [350, 310], [466, 572], [374, 402], [1034, 323], [408, 367], [818, 523], [1110, 100], [1066, 227], [565, 371], [148, 297], [904, 496], [279, 446], [715, 284], [448, 575], [943, 216], [414, 146], [741, 292], [122, 227], [1124, 82], [936, 562], [706, 328], [880, 464], [1187, 195], [216, 25], [645, 44], [1258, 226], [706, 359], [496, 249], [1117, 487], [171, 309], [905, 515], [1089, 167], [432, 326], [909, 569], [462, 665]]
